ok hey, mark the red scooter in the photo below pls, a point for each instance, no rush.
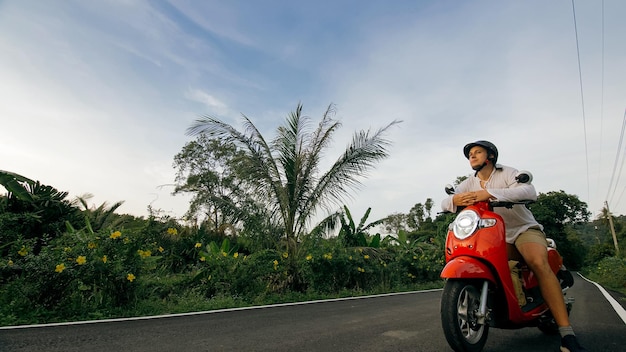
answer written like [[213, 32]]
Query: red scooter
[[483, 288]]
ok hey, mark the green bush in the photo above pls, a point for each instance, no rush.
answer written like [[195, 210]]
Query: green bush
[[165, 268], [609, 272], [224, 273], [77, 273], [420, 263], [333, 269]]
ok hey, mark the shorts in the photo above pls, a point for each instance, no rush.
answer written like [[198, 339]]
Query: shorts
[[533, 235]]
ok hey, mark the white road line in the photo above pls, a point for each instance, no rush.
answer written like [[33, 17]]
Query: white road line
[[207, 312], [616, 306]]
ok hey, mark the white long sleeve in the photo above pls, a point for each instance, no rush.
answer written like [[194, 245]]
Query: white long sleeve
[[503, 187]]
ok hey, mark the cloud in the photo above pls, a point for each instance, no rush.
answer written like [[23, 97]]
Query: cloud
[[98, 95], [212, 104]]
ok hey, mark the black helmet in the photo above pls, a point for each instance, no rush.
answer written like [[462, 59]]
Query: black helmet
[[491, 149]]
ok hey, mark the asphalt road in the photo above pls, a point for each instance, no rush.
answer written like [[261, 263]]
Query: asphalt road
[[405, 322]]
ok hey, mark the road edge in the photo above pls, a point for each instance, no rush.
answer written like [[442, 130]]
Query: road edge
[[83, 322], [617, 307]]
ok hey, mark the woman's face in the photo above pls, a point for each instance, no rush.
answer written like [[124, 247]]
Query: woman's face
[[477, 156]]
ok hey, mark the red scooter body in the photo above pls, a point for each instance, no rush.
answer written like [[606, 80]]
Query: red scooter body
[[477, 272]]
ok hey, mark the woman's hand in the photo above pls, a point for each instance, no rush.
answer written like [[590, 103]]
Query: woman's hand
[[469, 198]]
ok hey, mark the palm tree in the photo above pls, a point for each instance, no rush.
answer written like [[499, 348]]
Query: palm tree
[[101, 217], [284, 174], [606, 217]]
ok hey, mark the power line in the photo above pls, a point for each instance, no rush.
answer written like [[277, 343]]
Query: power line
[[582, 97], [601, 99], [617, 154], [620, 169]]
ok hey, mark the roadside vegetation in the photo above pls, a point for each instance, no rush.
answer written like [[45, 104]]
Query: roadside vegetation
[[247, 238]]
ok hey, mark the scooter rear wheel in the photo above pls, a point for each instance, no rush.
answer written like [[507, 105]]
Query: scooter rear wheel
[[460, 303]]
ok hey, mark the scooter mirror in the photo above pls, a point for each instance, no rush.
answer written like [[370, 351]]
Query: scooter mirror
[[450, 189], [524, 177]]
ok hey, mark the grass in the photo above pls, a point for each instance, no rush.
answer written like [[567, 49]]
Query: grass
[[610, 273], [177, 301]]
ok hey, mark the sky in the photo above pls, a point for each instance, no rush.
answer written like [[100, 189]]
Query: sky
[[96, 96]]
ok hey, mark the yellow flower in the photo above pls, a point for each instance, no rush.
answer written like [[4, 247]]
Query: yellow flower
[[91, 245], [285, 255], [327, 256], [236, 255], [130, 277], [104, 259], [361, 270], [202, 259], [224, 254], [309, 257], [144, 254], [59, 268], [172, 231], [161, 249], [81, 260], [10, 262], [275, 264], [198, 245], [23, 251], [115, 235], [366, 257], [67, 249]]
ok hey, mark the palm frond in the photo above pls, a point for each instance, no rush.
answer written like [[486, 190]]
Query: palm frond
[[259, 167], [283, 174], [317, 143], [358, 158]]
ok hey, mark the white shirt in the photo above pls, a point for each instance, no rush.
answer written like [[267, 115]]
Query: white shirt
[[503, 187]]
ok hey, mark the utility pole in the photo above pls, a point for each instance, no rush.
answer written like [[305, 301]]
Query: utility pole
[[608, 214]]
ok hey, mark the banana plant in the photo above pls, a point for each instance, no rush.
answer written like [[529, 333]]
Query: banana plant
[[216, 250], [15, 185], [353, 235]]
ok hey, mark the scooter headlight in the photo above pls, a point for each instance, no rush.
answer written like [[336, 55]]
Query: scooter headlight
[[465, 224]]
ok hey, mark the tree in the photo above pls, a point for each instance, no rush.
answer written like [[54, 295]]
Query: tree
[[607, 219], [103, 216], [394, 223], [32, 211], [415, 216], [16, 185], [559, 212], [353, 235], [284, 173], [208, 168], [428, 206], [560, 208], [459, 179]]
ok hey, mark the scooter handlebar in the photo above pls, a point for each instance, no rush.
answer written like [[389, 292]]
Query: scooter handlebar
[[494, 204], [509, 205]]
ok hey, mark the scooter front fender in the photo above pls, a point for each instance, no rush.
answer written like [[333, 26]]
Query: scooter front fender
[[467, 268]]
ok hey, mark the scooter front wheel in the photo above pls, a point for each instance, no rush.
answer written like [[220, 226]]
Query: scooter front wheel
[[460, 304]]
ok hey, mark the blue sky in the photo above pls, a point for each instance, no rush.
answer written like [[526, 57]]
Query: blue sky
[[95, 96]]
